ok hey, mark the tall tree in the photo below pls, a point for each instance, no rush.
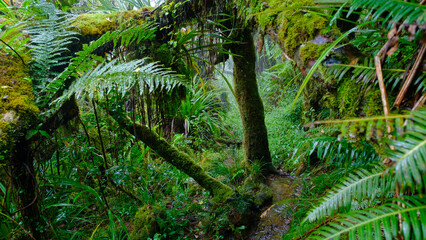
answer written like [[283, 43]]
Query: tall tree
[[255, 139]]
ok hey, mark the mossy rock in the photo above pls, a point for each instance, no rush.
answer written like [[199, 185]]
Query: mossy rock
[[145, 224]]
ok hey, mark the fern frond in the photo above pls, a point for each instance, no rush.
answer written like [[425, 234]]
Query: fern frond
[[342, 152], [81, 62], [370, 126], [377, 222], [366, 73], [49, 38], [359, 185], [121, 77], [410, 153], [12, 38], [397, 10]]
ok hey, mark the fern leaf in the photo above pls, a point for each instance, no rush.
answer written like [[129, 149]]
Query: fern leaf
[[359, 185], [410, 153], [121, 77], [398, 10], [48, 40], [135, 35], [377, 222]]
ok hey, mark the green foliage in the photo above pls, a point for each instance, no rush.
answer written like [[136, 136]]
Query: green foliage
[[349, 95], [409, 155], [408, 172], [359, 185], [50, 34], [396, 10], [367, 71], [121, 77], [85, 59], [202, 115], [337, 152], [370, 223]]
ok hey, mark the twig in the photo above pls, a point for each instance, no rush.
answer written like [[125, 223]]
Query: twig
[[378, 64], [14, 51], [411, 76], [420, 102]]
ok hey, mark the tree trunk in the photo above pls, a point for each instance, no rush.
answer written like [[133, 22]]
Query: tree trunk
[[177, 158], [24, 181], [255, 140]]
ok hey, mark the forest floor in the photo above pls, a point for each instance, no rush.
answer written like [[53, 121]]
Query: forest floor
[[275, 220]]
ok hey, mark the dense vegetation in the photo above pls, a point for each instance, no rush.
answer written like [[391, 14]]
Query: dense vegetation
[[139, 119]]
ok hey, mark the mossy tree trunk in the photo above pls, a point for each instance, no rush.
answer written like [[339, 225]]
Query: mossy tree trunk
[[19, 114], [255, 140], [23, 179], [176, 158]]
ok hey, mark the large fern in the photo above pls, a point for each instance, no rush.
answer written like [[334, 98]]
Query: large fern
[[410, 154], [50, 34], [359, 185], [121, 77], [367, 71], [83, 61], [408, 170], [394, 10], [338, 152], [372, 223]]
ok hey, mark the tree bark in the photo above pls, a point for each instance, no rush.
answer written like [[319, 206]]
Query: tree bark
[[255, 140]]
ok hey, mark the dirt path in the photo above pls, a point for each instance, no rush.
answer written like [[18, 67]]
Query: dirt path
[[275, 220]]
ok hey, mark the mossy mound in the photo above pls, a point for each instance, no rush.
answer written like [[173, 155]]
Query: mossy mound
[[17, 107], [145, 224], [311, 51], [296, 24], [99, 23]]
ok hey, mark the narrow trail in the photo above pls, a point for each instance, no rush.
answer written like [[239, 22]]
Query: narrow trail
[[275, 220]]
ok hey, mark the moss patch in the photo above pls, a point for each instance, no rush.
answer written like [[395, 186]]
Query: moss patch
[[17, 108], [373, 103], [100, 23], [145, 224], [311, 51], [296, 24], [349, 95]]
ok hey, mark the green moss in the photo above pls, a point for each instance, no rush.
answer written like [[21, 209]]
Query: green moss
[[349, 95], [373, 103], [145, 224], [17, 108], [100, 23], [296, 24], [311, 51]]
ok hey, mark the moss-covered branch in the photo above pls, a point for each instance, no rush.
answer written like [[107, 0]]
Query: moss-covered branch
[[177, 158]]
